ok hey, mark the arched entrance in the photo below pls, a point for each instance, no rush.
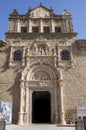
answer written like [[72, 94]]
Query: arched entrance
[[41, 107]]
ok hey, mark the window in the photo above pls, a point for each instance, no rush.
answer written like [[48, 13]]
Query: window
[[23, 29], [65, 55], [17, 55], [46, 29], [57, 29], [35, 29]]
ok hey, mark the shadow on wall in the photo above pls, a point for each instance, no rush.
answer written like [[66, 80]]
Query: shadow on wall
[[15, 92], [12, 85]]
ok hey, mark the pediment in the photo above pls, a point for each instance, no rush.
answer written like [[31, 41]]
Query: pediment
[[40, 12]]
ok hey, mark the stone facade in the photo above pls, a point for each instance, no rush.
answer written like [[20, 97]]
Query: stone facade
[[41, 59]]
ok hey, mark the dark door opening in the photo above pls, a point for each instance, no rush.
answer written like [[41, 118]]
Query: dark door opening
[[41, 107]]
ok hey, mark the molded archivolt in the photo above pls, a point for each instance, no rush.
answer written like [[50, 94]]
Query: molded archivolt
[[42, 71], [39, 72]]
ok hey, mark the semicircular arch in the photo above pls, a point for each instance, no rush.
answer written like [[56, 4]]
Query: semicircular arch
[[41, 72]]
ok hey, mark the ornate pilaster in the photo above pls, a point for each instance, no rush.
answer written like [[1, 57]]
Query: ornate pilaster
[[52, 26], [41, 26], [11, 56], [62, 117], [19, 26], [26, 106], [22, 104], [30, 27]]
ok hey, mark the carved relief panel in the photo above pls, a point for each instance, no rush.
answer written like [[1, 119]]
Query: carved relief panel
[[40, 75], [39, 49], [40, 12]]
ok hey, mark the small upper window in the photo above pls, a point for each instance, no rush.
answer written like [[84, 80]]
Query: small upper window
[[46, 29], [17, 55], [35, 29], [65, 55], [57, 29], [23, 29]]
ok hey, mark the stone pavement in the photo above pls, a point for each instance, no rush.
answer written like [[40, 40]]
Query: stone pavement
[[40, 127]]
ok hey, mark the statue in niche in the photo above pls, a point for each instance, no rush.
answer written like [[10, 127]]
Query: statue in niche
[[41, 51]]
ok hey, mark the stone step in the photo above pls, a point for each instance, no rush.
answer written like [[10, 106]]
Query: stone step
[[40, 127]]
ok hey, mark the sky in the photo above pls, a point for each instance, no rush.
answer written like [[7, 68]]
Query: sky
[[76, 7]]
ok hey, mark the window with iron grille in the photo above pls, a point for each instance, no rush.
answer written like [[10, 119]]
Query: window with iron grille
[[65, 55], [46, 29], [17, 55], [35, 29]]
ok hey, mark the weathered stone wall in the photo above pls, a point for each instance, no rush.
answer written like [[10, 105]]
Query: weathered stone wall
[[74, 83], [9, 83]]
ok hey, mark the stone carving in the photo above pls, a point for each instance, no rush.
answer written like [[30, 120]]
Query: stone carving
[[18, 40], [41, 75], [64, 42], [39, 49], [40, 12], [40, 39]]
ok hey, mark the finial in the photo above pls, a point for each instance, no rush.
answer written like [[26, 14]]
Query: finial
[[15, 10], [65, 10], [40, 3], [51, 9], [29, 8]]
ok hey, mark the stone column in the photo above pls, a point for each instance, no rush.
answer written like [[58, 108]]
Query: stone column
[[30, 26], [22, 96], [62, 117], [52, 26], [41, 26]]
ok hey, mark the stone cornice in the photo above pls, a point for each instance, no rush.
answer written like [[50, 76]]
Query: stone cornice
[[36, 35]]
